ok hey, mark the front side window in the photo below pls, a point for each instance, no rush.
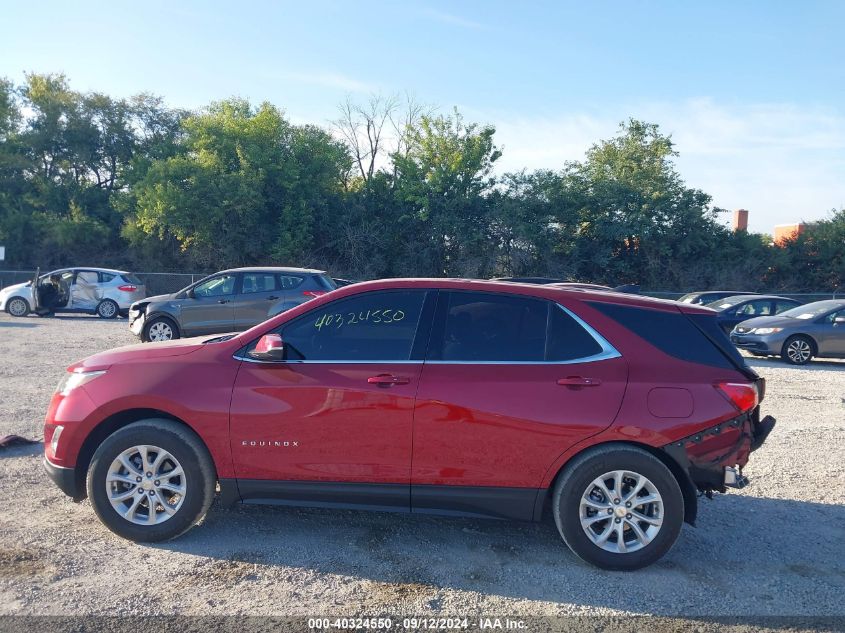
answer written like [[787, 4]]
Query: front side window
[[216, 287], [374, 326], [258, 282]]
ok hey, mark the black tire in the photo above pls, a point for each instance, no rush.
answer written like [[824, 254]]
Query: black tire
[[107, 309], [146, 335], [575, 482], [20, 309], [798, 350], [188, 450]]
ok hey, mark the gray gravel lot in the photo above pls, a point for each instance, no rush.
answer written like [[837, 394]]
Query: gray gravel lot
[[774, 548]]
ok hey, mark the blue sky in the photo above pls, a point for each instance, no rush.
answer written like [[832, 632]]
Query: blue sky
[[751, 91]]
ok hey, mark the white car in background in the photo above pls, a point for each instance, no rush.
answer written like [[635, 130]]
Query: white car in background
[[101, 291]]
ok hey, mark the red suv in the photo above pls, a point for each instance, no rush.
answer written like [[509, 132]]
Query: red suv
[[471, 398]]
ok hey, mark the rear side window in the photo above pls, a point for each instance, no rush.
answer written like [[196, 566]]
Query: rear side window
[[258, 282], [489, 327], [106, 277], [132, 279], [674, 334], [374, 326]]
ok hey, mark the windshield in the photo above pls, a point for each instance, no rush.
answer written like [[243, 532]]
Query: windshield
[[812, 310]]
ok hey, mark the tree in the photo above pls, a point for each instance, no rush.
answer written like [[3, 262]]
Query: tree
[[443, 178]]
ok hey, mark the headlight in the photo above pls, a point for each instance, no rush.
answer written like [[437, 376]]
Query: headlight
[[75, 379], [765, 330]]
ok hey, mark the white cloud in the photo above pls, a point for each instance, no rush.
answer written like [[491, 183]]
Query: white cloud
[[783, 162], [454, 20]]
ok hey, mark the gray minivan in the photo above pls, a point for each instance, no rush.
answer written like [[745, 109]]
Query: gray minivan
[[227, 301]]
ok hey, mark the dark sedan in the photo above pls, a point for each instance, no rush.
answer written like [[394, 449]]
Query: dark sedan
[[735, 310], [709, 296]]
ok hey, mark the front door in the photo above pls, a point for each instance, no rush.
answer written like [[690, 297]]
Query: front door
[[509, 384], [830, 335], [209, 307], [332, 424], [259, 292]]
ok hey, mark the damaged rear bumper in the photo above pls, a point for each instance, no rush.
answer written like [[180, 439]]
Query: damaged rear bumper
[[714, 457]]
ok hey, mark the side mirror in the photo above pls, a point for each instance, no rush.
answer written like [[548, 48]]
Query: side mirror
[[189, 293], [270, 347]]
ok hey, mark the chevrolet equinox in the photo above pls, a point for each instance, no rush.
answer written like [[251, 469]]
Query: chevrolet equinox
[[471, 398]]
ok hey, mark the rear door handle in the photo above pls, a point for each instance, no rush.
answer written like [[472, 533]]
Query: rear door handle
[[387, 380], [272, 298], [223, 301], [578, 381]]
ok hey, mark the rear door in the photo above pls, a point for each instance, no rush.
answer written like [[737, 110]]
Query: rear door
[[85, 291], [259, 292], [211, 308], [508, 385]]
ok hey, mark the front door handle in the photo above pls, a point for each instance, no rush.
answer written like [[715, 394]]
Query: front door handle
[[223, 301], [388, 380], [272, 298], [579, 381]]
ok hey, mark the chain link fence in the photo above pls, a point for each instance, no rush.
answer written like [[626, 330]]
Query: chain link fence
[[163, 283]]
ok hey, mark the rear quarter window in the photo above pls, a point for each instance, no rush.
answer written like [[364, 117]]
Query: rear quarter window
[[674, 334], [132, 279]]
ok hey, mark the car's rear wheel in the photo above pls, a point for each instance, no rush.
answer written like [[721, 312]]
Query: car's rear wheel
[[797, 350], [151, 480], [107, 309], [160, 329], [618, 507], [17, 307]]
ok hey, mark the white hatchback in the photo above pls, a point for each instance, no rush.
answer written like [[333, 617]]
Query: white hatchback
[[101, 291]]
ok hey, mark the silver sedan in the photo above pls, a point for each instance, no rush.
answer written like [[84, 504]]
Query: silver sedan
[[797, 335]]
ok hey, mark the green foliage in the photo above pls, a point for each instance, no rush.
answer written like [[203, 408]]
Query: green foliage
[[89, 179]]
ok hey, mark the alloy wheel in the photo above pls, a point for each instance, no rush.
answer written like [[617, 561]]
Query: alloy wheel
[[160, 331], [17, 307], [799, 351], [146, 485], [621, 511], [107, 309]]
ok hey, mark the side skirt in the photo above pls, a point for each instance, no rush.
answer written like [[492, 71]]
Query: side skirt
[[465, 501]]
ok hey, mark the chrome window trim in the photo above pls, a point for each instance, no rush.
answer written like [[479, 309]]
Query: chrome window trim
[[247, 359], [607, 352]]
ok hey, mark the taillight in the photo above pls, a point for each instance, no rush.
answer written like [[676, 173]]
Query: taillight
[[313, 293], [127, 288], [742, 395]]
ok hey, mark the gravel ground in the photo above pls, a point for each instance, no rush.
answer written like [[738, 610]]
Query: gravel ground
[[774, 548]]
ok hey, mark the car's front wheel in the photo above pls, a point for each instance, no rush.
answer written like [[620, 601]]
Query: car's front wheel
[[618, 507], [18, 307], [151, 480], [160, 329], [797, 350]]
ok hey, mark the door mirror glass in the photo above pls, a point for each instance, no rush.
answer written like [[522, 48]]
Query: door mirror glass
[[269, 347]]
